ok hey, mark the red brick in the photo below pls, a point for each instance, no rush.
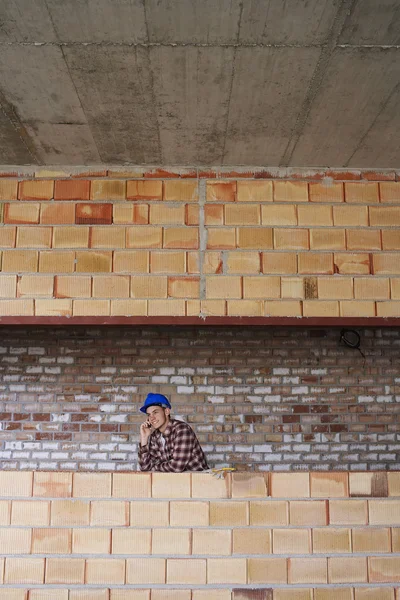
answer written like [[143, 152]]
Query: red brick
[[75, 189], [93, 214]]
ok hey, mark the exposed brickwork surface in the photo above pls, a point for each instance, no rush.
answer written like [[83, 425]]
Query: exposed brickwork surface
[[259, 399]]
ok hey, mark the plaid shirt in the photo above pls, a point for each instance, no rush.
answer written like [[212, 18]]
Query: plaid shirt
[[181, 451]]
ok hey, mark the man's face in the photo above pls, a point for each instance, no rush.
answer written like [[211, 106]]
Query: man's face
[[158, 417]]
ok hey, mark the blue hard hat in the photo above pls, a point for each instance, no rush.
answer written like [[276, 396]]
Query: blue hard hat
[[155, 400]]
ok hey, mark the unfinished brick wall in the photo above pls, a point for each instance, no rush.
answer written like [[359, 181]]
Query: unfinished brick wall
[[258, 398], [188, 244]]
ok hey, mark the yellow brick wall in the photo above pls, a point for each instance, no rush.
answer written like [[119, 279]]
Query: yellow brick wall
[[190, 244], [143, 536]]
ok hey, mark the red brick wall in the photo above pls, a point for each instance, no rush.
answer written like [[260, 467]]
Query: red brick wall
[[258, 398]]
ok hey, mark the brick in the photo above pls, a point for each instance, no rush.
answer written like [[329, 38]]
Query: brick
[[236, 214], [290, 485], [181, 237], [223, 287], [67, 286], [208, 593], [363, 239], [131, 261], [72, 189], [108, 190], [314, 215], [131, 541], [388, 309], [8, 189], [189, 514], [384, 569], [180, 191], [107, 237], [213, 307], [220, 191], [365, 193], [56, 308], [384, 512], [184, 287], [92, 485], [390, 239], [214, 214], [171, 485], [91, 541], [320, 308], [93, 262], [65, 570], [357, 309], [93, 214], [321, 263], [50, 594], [145, 571], [294, 594], [368, 484], [245, 308], [14, 540], [169, 594], [5, 512], [279, 262], [129, 594], [109, 513], [390, 191], [278, 214], [131, 485], [333, 593], [105, 570], [331, 540], [16, 307], [192, 215], [20, 261], [267, 570], [227, 570], [34, 237], [69, 513], [304, 512], [386, 216], [307, 570], [165, 308], [204, 485], [292, 287], [393, 484], [269, 513], [193, 572], [128, 308], [56, 262], [256, 238], [395, 540], [349, 264], [327, 239], [88, 594], [26, 570], [171, 541], [35, 190], [144, 190], [326, 193], [7, 237], [167, 262], [8, 286], [13, 594], [347, 570], [249, 485], [371, 539], [84, 308], [329, 485], [290, 191], [111, 286], [57, 213], [212, 262], [51, 541], [384, 264], [149, 287], [243, 262], [351, 216], [21, 213], [35, 285], [335, 287], [209, 541], [291, 239], [161, 214], [252, 541], [254, 191], [144, 237], [221, 239], [371, 288], [292, 541], [123, 214], [16, 485], [376, 593], [30, 512], [229, 514]]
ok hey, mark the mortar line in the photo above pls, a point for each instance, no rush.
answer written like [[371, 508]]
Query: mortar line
[[202, 183]]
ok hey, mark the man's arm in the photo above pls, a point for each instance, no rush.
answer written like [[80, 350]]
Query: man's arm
[[146, 461], [183, 448]]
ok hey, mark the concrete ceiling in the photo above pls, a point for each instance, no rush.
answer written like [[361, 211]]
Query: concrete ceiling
[[302, 83]]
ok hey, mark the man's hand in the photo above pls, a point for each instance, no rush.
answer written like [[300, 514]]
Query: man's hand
[[145, 432]]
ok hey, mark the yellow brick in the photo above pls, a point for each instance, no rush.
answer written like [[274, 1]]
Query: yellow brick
[[131, 261], [107, 237], [171, 307], [256, 238], [371, 288], [149, 287], [20, 261], [209, 541], [221, 191], [363, 239], [348, 512], [385, 264], [307, 570], [333, 593], [213, 307], [212, 262], [16, 307], [279, 262], [335, 287], [53, 485], [254, 191], [316, 263], [183, 287], [21, 213], [371, 539], [108, 189], [329, 485], [290, 191], [26, 570], [269, 513], [123, 214], [65, 570], [82, 308], [167, 262], [35, 190], [57, 213], [192, 216], [349, 569], [291, 239], [252, 541], [294, 594], [368, 484], [395, 540], [169, 594], [384, 569], [144, 190], [390, 239], [245, 308], [320, 308], [56, 262], [51, 594], [171, 541], [204, 486], [131, 541], [305, 512], [15, 540], [243, 262], [327, 239], [5, 512], [394, 484], [348, 264], [16, 484], [14, 594], [161, 214], [390, 191], [189, 514], [223, 287], [229, 513], [7, 237], [36, 286], [277, 214], [130, 594], [145, 571], [171, 485], [56, 308], [388, 309], [131, 485], [227, 570], [8, 189], [91, 541], [144, 237], [357, 309], [214, 214], [384, 512], [8, 286], [376, 593], [88, 594], [29, 512], [208, 593], [181, 237], [67, 286], [93, 262], [290, 485], [315, 215], [267, 570], [105, 570], [331, 540], [353, 216], [69, 512], [111, 286], [71, 237], [51, 541], [320, 192], [33, 237], [149, 514], [292, 541], [236, 214], [292, 287], [386, 216], [221, 238], [180, 190], [365, 193], [249, 485], [193, 572], [109, 513]]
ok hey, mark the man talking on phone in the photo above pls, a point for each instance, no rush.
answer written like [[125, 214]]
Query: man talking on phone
[[166, 444]]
